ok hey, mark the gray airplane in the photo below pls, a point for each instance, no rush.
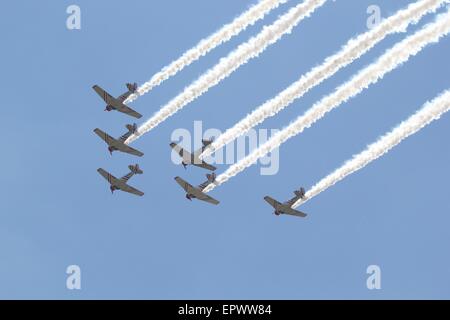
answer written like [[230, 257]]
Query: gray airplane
[[193, 158], [117, 103], [121, 184], [119, 144], [197, 192], [286, 207]]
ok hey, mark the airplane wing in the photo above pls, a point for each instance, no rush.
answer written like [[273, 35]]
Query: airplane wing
[[196, 192], [104, 136], [204, 197], [293, 212], [274, 203], [130, 150], [181, 152], [185, 185], [132, 190], [103, 94], [127, 110], [204, 165], [109, 177]]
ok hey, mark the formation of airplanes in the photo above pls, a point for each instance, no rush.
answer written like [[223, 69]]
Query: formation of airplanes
[[119, 143], [187, 158]]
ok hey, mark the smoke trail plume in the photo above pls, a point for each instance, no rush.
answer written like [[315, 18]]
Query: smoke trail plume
[[221, 36], [430, 111], [233, 61], [393, 58], [352, 51]]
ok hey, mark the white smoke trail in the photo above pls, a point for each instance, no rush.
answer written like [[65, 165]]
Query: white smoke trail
[[430, 111], [393, 58], [221, 36], [353, 50], [233, 61]]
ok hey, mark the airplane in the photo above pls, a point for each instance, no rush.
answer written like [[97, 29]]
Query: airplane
[[117, 103], [286, 207], [197, 192], [193, 158], [119, 144], [121, 184]]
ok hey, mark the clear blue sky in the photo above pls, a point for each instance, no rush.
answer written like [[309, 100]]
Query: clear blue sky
[[55, 210]]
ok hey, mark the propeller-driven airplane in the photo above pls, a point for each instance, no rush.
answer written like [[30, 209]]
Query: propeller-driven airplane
[[286, 207], [117, 103], [121, 184], [119, 144], [193, 158], [197, 192]]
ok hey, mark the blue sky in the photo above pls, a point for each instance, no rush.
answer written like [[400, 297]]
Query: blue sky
[[55, 210]]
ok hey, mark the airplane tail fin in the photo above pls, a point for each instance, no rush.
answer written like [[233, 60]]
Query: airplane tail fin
[[211, 177], [300, 193], [132, 128], [132, 87], [207, 142], [135, 169]]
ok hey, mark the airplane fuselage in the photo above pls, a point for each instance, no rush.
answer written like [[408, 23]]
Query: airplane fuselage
[[117, 186], [113, 105], [113, 146], [187, 157], [187, 161]]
